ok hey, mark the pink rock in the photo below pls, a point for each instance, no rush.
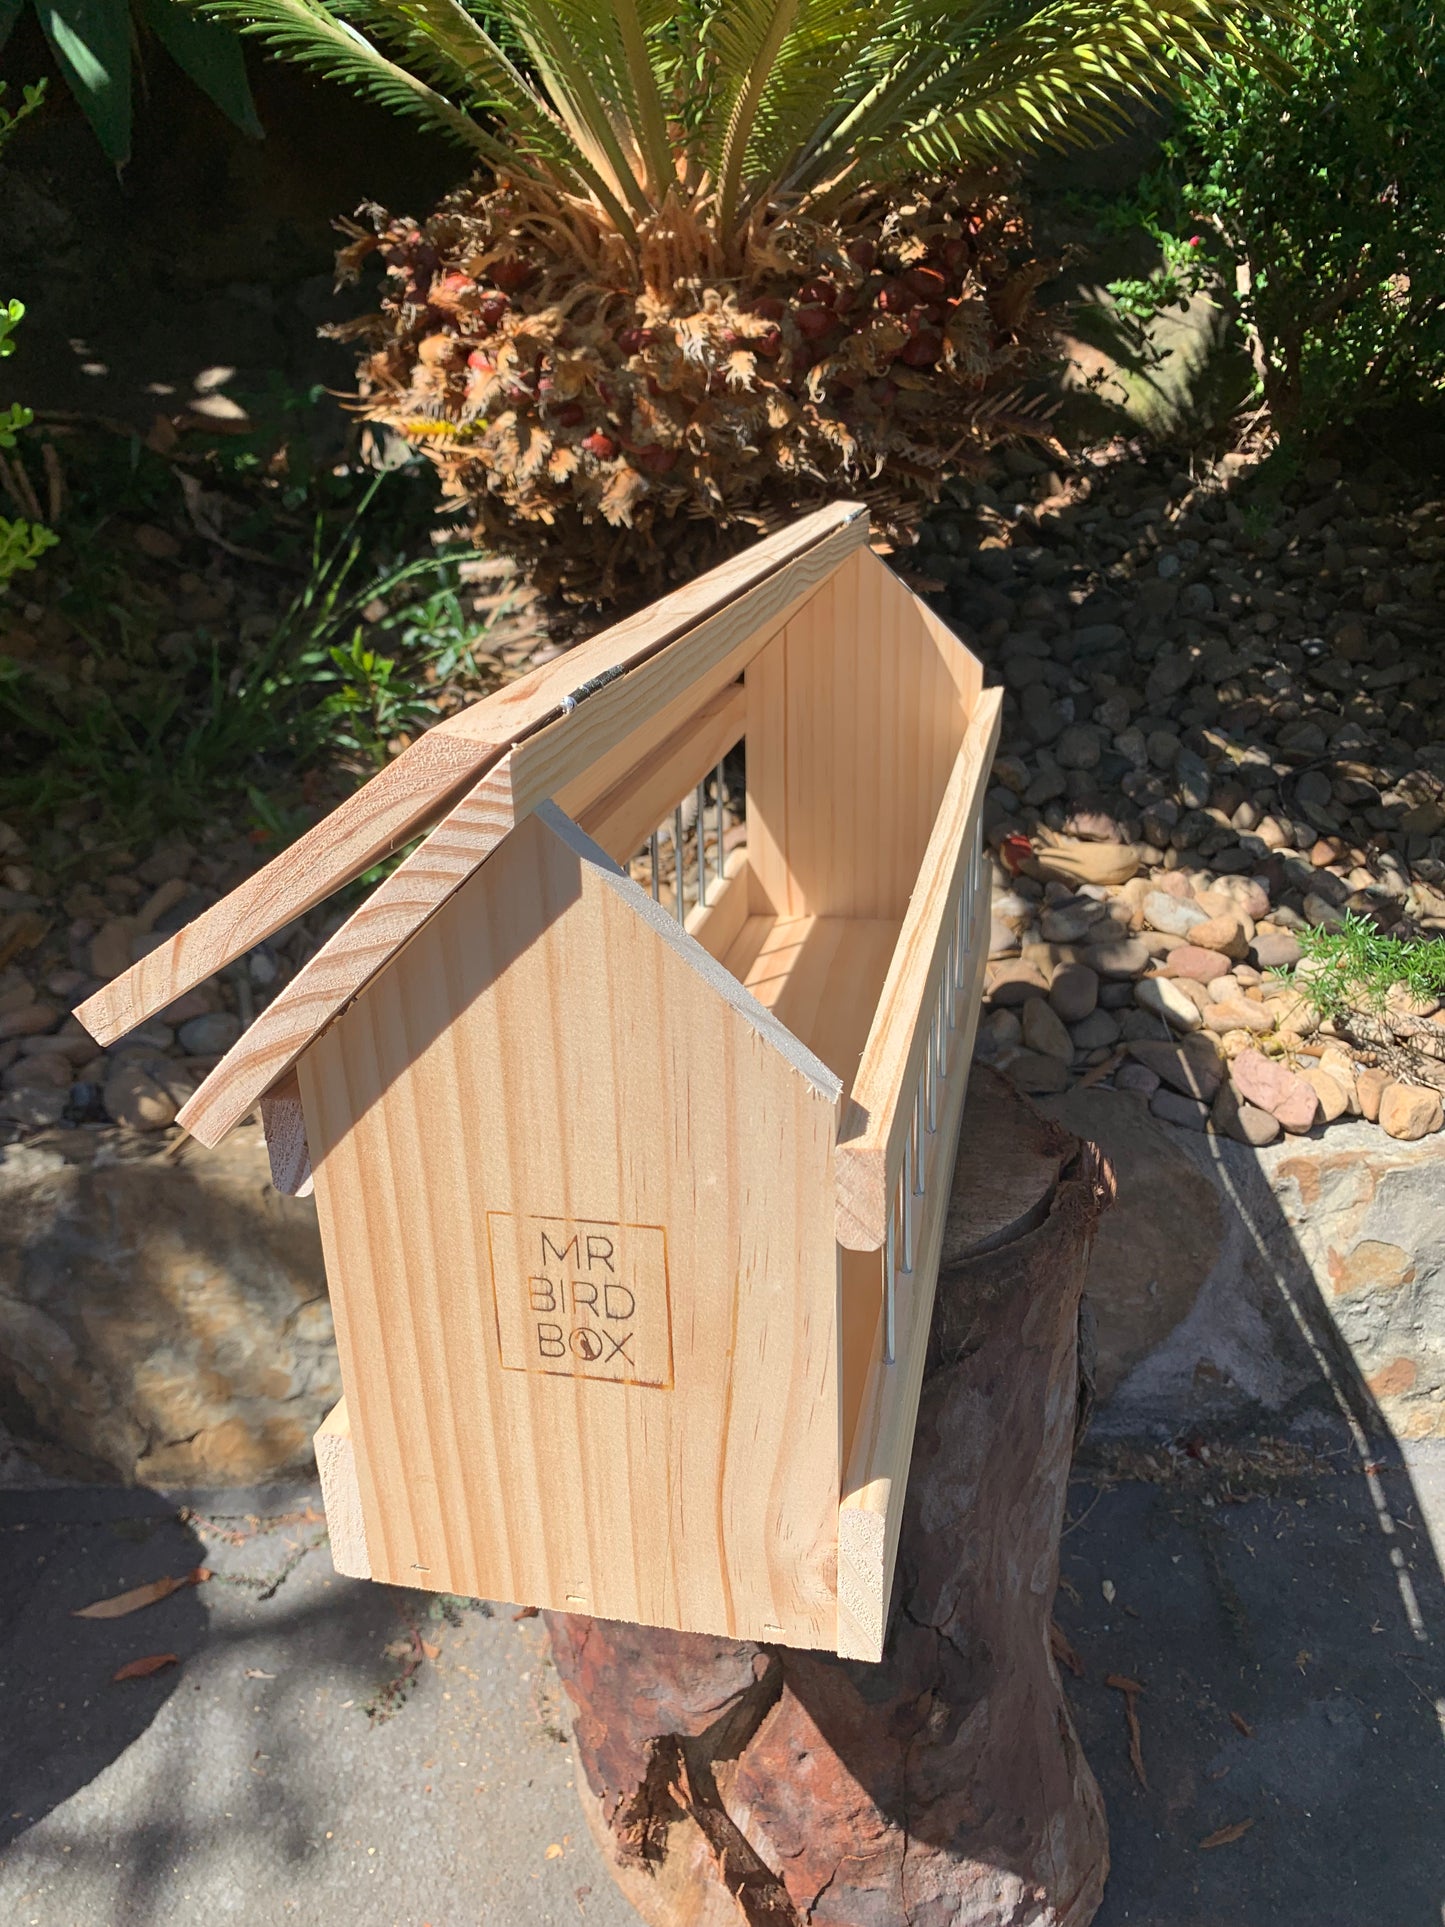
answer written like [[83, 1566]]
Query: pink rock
[[1203, 966], [1259, 1080]]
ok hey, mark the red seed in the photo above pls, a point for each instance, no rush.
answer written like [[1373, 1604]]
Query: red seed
[[894, 298], [926, 283], [655, 461], [862, 254], [822, 292], [600, 445], [491, 309], [769, 344], [570, 413], [923, 350], [956, 255], [509, 273], [768, 308], [814, 322], [632, 341]]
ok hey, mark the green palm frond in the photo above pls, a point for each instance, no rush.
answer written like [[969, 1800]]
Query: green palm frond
[[742, 104]]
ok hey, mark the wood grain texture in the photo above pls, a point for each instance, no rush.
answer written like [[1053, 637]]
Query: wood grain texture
[[429, 776], [624, 816], [400, 906], [341, 1494], [656, 1105], [821, 976], [284, 1124], [578, 753], [875, 1476], [856, 716], [879, 1111], [945, 1786]]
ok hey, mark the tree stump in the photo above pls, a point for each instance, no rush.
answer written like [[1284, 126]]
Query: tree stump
[[945, 1787]]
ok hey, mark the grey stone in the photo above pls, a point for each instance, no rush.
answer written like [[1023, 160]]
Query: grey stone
[[1174, 1109], [1079, 747], [1074, 992], [1176, 916], [1037, 1074], [1098, 1031], [164, 1319], [1071, 921], [1136, 1077], [211, 1035], [1044, 1032], [1159, 996], [1275, 950], [1119, 958]]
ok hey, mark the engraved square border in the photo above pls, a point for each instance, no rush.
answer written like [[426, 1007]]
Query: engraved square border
[[589, 1378]]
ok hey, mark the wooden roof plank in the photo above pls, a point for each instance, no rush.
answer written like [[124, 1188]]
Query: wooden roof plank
[[430, 776], [705, 658]]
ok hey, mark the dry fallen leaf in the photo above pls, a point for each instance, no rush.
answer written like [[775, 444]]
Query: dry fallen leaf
[[526, 1612], [1225, 1835], [554, 1852], [254, 1672], [1241, 1725], [143, 1668], [1063, 1650], [432, 1652], [1131, 1689], [138, 1596], [1107, 1588]]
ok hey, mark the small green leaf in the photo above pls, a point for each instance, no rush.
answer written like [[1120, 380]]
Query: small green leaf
[[91, 42], [210, 54]]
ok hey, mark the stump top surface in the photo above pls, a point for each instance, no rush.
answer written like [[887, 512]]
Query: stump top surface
[[1009, 1159]]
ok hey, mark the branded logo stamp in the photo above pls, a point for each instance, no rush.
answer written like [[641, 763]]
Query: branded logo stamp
[[581, 1298]]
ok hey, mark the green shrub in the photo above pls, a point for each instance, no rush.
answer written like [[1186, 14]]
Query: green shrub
[[22, 541], [1316, 191]]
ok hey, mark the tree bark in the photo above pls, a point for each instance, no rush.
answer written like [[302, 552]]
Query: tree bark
[[731, 1783]]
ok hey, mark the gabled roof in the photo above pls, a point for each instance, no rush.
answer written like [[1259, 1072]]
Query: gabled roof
[[480, 772]]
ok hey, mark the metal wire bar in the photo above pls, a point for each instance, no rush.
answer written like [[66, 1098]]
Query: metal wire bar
[[909, 1157], [718, 805], [890, 1286], [677, 860], [701, 827], [656, 876]]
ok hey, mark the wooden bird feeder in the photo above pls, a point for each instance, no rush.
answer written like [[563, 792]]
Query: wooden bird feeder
[[631, 1181]]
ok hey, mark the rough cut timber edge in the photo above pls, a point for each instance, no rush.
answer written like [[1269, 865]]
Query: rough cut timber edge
[[432, 774]]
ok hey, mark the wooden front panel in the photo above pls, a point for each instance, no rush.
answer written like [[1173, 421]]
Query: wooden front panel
[[855, 715], [576, 1196]]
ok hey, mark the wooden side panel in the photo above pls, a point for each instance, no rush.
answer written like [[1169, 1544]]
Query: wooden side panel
[[625, 815], [856, 713], [875, 1479], [341, 1494], [574, 1187]]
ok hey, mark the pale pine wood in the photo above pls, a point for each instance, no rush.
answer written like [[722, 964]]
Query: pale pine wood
[[856, 715], [875, 1479], [751, 589], [820, 976], [716, 923], [341, 1494], [692, 669], [645, 1089], [396, 910], [878, 1117], [284, 1124], [624, 816]]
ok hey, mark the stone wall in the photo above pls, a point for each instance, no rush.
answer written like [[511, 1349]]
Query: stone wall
[[163, 1313], [1234, 1286]]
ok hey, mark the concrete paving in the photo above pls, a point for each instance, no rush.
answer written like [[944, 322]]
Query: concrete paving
[[286, 1770], [337, 1754]]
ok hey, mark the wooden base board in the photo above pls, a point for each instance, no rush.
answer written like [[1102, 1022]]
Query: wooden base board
[[821, 976]]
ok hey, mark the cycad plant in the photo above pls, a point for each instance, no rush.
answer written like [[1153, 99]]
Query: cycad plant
[[723, 256]]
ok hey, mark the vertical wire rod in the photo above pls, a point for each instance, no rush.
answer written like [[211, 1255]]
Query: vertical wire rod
[[718, 805], [890, 1285], [950, 980], [677, 861], [934, 1067], [907, 1207], [701, 845], [917, 1135], [656, 878]]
